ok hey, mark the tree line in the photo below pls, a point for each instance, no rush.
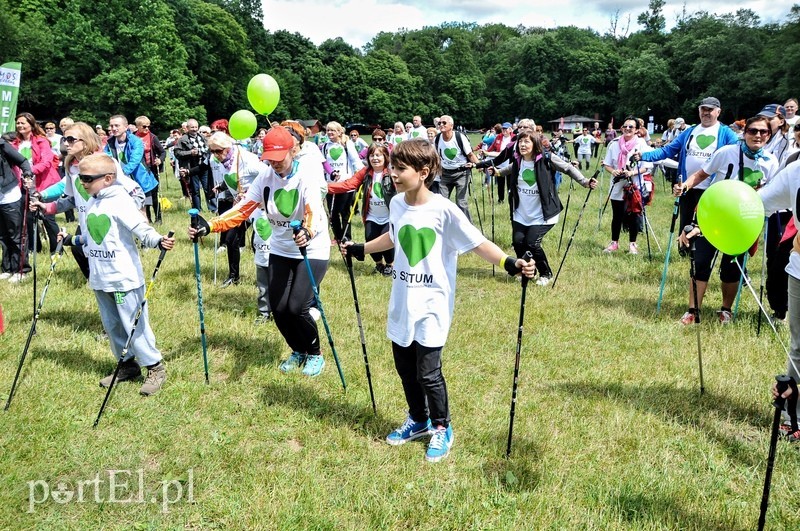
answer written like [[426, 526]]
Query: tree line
[[171, 59]]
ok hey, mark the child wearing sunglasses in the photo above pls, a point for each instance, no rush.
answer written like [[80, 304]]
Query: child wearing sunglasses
[[113, 224]]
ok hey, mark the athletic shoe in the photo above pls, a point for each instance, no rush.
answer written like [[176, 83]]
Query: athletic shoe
[[688, 318], [230, 281], [379, 268], [16, 278], [543, 281], [441, 442], [315, 363], [725, 316], [388, 270], [293, 362], [221, 249], [613, 246], [263, 319], [793, 437], [633, 249], [314, 313], [409, 431], [5, 276], [156, 376], [128, 371]]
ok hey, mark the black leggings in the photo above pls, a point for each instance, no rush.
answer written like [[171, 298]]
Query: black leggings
[[529, 238], [704, 255], [232, 239], [371, 231], [290, 297], [339, 206], [619, 218]]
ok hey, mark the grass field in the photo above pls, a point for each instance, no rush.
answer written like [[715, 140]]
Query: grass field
[[610, 433]]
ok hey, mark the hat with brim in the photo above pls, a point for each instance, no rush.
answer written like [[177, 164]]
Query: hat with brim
[[772, 110], [277, 144], [710, 102]]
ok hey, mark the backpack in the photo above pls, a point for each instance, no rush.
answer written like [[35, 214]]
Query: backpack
[[632, 197], [648, 190]]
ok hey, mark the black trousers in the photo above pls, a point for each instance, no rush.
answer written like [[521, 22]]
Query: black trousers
[[371, 231], [233, 239], [529, 238], [290, 297], [420, 371], [619, 217]]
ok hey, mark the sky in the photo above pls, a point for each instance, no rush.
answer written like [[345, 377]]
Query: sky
[[357, 21]]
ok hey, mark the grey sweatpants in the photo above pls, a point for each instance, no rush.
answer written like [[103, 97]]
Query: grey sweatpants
[[793, 315], [262, 283], [117, 311]]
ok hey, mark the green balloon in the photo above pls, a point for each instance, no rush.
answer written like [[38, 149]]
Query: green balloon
[[263, 93], [242, 124], [731, 216]]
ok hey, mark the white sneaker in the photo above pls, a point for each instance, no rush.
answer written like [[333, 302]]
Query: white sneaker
[[633, 248], [314, 313], [16, 278], [221, 249], [5, 276], [543, 281]]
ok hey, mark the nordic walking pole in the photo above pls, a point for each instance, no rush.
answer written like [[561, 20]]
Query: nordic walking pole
[[675, 210], [566, 212], [525, 279], [572, 237], [297, 226], [763, 266], [348, 260], [741, 281], [692, 249], [644, 212], [491, 200], [132, 332], [194, 214], [475, 198], [59, 253], [216, 248], [603, 210], [783, 382]]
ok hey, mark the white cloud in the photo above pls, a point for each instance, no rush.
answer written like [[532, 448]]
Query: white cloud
[[358, 21]]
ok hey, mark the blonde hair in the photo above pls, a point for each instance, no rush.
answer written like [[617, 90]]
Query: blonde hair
[[336, 126], [142, 120], [91, 142], [101, 161], [220, 140]]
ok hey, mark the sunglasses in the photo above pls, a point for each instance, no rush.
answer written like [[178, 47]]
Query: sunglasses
[[49, 128], [91, 178], [217, 151], [72, 139], [755, 131], [145, 126], [353, 136], [629, 127], [378, 139]]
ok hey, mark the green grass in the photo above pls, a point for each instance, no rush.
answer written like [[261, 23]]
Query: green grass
[[610, 431]]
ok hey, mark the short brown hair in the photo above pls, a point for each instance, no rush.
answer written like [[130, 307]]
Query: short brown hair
[[418, 153]]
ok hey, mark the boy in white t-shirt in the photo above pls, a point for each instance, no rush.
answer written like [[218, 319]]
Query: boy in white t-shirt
[[428, 232], [262, 233], [113, 221]]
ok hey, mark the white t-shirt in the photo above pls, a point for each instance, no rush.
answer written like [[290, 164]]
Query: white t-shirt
[[450, 152], [25, 149], [262, 233], [585, 144], [781, 193], [112, 222], [427, 240], [342, 158], [702, 144], [612, 154], [311, 159], [378, 209], [419, 132], [529, 211], [289, 199], [726, 159], [244, 169]]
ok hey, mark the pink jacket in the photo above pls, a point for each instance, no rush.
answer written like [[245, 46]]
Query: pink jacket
[[44, 164]]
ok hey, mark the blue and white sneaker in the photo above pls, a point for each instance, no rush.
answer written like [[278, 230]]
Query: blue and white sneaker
[[314, 365], [409, 431], [294, 362], [441, 442]]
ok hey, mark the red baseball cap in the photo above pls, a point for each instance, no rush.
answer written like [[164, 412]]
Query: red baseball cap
[[277, 144]]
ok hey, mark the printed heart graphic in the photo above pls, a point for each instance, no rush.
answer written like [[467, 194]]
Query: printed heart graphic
[[98, 226], [377, 189], [122, 158], [752, 177], [416, 244], [81, 190], [414, 134], [703, 141], [286, 201], [529, 176], [336, 152], [231, 180], [450, 153], [26, 152], [263, 228]]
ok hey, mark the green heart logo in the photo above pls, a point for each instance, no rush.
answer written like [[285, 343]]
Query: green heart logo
[[286, 201], [414, 134], [529, 176], [450, 153], [81, 190], [703, 141], [416, 244], [98, 226], [336, 152], [231, 180], [263, 228], [752, 177], [377, 189]]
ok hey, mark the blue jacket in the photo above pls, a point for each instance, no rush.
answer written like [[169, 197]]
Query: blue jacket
[[681, 142], [134, 165]]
